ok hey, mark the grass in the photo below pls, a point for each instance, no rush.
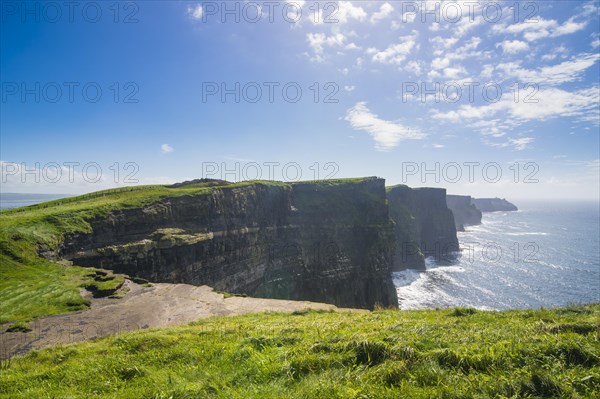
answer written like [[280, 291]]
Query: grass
[[381, 354]]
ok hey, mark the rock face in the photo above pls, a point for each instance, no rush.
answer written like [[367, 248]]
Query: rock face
[[465, 213], [423, 225], [328, 242], [494, 205]]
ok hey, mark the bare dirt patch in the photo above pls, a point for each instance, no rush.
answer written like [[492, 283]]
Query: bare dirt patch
[[140, 307]]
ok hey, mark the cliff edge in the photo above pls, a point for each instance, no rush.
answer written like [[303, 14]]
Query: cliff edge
[[329, 241], [423, 225], [464, 211], [494, 205]]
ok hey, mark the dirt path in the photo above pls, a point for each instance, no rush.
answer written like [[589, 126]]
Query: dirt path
[[141, 307]]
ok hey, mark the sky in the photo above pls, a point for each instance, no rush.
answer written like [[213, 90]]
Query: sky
[[482, 98]]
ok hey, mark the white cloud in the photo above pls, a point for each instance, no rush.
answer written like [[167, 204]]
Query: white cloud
[[521, 143], [549, 103], [455, 72], [318, 42], [196, 11], [444, 42], [442, 65], [513, 46], [387, 134], [561, 51], [541, 28], [413, 67], [349, 88], [488, 70], [384, 11], [165, 149], [347, 11], [438, 145], [466, 24], [566, 71], [396, 53], [409, 17]]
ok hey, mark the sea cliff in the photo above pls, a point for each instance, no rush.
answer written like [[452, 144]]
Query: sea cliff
[[423, 225], [464, 211], [326, 241], [494, 205]]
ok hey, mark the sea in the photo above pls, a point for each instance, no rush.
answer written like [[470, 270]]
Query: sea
[[546, 254], [15, 200]]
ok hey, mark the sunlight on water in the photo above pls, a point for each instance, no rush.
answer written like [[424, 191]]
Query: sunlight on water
[[543, 255]]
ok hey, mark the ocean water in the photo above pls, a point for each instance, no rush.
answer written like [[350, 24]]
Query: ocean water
[[15, 200], [546, 254]]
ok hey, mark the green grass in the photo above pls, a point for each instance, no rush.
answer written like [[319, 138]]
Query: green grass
[[381, 354]]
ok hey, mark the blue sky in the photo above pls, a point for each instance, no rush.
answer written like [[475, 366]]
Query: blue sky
[[363, 68]]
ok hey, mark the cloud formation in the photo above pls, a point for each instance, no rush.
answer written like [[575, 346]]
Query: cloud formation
[[387, 134], [165, 149]]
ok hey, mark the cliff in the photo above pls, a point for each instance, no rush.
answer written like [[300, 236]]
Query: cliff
[[464, 211], [423, 225], [326, 241], [494, 205]]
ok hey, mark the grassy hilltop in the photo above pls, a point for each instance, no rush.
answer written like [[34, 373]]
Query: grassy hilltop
[[460, 353]]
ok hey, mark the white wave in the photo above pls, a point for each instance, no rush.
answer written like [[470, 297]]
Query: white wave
[[531, 233]]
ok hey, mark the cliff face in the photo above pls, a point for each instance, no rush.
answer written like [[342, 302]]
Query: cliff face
[[494, 205], [321, 242], [408, 254], [465, 213], [424, 226]]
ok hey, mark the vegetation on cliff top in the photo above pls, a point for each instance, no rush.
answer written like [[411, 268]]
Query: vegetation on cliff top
[[31, 286], [460, 353]]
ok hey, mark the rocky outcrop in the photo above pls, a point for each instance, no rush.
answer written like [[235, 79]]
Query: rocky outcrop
[[327, 241], [465, 213], [494, 205], [423, 225]]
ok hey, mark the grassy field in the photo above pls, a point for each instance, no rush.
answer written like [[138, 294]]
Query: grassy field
[[460, 353]]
